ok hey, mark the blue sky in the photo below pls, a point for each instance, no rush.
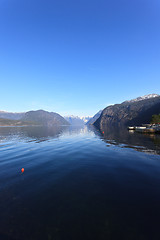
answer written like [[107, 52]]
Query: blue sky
[[77, 57]]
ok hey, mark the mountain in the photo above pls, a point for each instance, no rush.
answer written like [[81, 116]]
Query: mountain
[[39, 117], [134, 112], [77, 121], [94, 118], [44, 118], [11, 122], [74, 120], [11, 115], [143, 97], [85, 119]]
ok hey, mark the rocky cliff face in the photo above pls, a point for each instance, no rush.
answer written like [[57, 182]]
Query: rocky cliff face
[[129, 112], [45, 118]]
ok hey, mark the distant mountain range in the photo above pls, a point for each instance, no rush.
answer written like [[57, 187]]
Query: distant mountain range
[[77, 121], [131, 112], [134, 112], [74, 120], [86, 119], [11, 115], [39, 117]]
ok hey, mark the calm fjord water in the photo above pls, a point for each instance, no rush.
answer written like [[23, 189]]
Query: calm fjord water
[[79, 184]]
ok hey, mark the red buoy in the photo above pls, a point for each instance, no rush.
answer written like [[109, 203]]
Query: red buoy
[[22, 170], [103, 132]]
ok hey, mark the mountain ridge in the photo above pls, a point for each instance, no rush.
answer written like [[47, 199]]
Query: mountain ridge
[[153, 95], [38, 117], [11, 115], [129, 112], [76, 120], [45, 118]]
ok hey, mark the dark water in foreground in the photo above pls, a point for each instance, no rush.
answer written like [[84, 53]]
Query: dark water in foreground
[[79, 184]]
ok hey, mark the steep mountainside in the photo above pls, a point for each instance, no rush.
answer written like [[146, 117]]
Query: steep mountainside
[[130, 112], [94, 118], [11, 115], [45, 118]]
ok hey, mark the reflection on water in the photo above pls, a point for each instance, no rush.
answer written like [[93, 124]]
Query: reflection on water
[[38, 133], [78, 183], [119, 136], [113, 135]]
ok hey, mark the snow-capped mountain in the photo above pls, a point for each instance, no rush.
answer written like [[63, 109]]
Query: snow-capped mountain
[[71, 116], [86, 119], [75, 120], [130, 113], [143, 97]]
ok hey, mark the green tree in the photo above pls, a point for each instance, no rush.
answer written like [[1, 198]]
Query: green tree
[[155, 118]]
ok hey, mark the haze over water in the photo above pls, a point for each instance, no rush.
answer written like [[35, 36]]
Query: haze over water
[[78, 183]]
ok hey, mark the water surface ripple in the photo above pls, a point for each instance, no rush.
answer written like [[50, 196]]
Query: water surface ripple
[[79, 183]]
